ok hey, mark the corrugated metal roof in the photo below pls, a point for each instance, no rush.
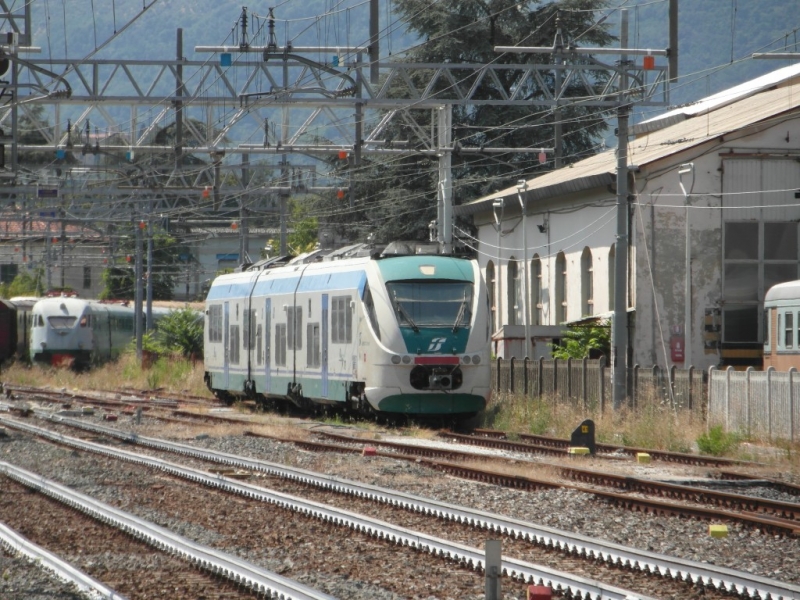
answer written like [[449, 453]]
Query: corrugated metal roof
[[600, 170], [723, 98]]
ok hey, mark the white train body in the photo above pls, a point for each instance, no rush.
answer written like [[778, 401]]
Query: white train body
[[78, 332], [403, 334]]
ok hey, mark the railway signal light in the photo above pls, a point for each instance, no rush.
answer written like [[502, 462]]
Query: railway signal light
[[340, 193]]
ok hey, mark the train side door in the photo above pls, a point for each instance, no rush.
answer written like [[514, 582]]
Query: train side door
[[226, 345], [324, 356], [267, 346]]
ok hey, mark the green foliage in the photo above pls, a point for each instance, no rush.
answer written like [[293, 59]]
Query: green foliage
[[118, 279], [26, 283], [181, 331], [584, 341], [304, 227], [716, 441]]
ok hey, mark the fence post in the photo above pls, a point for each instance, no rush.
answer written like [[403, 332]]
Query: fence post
[[511, 376], [569, 379], [689, 399], [708, 398], [792, 371], [635, 385], [525, 375], [657, 384], [770, 371], [747, 373], [555, 379], [540, 376], [497, 375], [602, 370], [728, 372], [672, 370], [584, 380]]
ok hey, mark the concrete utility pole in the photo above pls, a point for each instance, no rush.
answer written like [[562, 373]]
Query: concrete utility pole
[[619, 343], [623, 103]]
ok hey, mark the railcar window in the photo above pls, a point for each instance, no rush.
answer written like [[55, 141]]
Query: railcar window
[[767, 331], [259, 345], [341, 320], [789, 337], [369, 304], [215, 323], [62, 322], [312, 353], [249, 326], [295, 331], [234, 345], [432, 304], [280, 345]]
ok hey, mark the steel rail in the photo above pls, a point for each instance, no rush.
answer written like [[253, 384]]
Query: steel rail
[[205, 558], [578, 586], [609, 552], [786, 511], [19, 544], [535, 442]]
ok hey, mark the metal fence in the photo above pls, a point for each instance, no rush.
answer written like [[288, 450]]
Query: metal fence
[[756, 403], [589, 382]]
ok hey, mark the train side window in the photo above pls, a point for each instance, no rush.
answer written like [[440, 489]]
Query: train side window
[[788, 341], [41, 321], [295, 331], [778, 329], [234, 345], [767, 332], [280, 345], [313, 340], [215, 323], [84, 321], [369, 305], [341, 320], [249, 328], [259, 345]]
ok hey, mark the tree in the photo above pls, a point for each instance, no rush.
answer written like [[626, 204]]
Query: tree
[[26, 283], [398, 198], [182, 331], [584, 341], [118, 279]]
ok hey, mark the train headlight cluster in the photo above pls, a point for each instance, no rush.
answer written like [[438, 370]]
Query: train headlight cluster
[[475, 359]]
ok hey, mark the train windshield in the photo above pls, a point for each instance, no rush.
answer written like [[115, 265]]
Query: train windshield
[[62, 322], [432, 304]]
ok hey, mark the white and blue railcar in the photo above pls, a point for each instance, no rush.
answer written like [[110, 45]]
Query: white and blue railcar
[[77, 332], [391, 334]]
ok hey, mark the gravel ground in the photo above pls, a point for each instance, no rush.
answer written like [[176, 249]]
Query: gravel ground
[[744, 549], [22, 579]]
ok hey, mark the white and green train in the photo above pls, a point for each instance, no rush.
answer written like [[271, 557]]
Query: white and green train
[[389, 333], [77, 333]]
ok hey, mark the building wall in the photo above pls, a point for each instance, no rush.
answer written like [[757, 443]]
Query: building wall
[[755, 186], [67, 268]]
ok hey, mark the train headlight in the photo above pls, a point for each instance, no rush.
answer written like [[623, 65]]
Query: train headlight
[[466, 360], [395, 359], [476, 360], [406, 359]]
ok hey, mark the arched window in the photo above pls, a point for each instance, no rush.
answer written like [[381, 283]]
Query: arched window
[[587, 283], [561, 288], [515, 305], [536, 290], [612, 260], [490, 283]]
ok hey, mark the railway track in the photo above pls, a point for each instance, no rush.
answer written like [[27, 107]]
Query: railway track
[[769, 515], [192, 570], [647, 562], [542, 444]]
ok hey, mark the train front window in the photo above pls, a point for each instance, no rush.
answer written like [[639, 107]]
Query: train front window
[[62, 322], [432, 304]]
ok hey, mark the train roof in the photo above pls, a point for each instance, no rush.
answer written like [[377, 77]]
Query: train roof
[[788, 290], [78, 304]]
